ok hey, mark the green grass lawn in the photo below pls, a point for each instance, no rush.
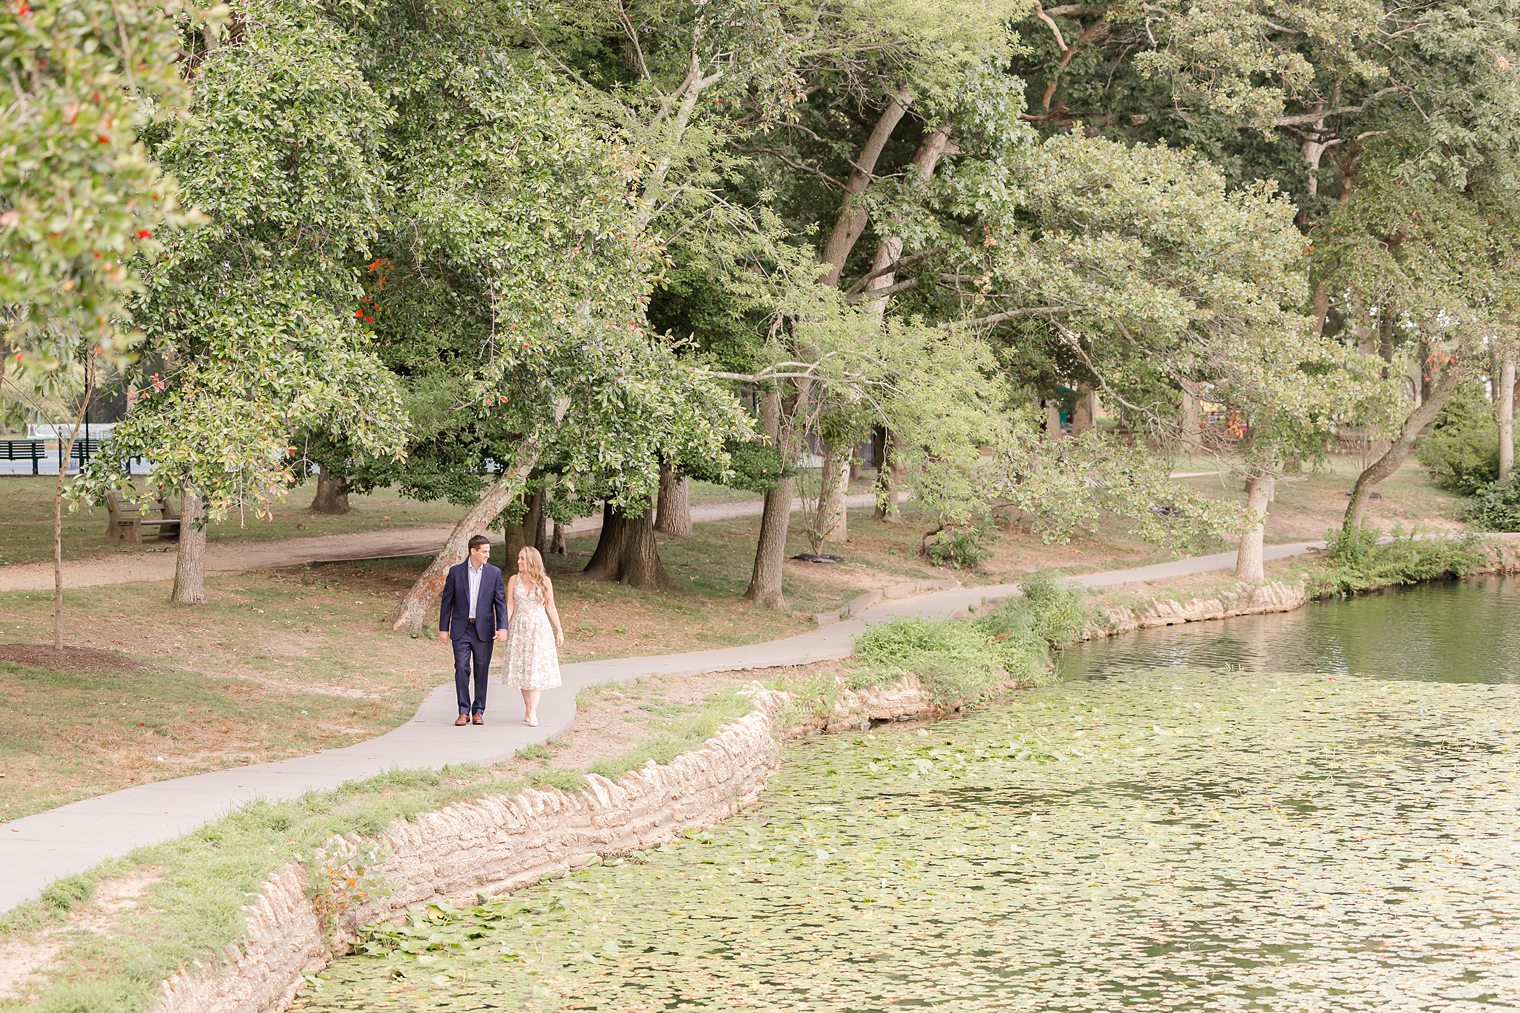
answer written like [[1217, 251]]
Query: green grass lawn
[[1309, 504], [26, 519], [291, 662]]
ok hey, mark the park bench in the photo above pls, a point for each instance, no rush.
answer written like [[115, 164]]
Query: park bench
[[84, 448], [23, 450], [128, 520]]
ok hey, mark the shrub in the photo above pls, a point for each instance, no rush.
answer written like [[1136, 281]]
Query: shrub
[[1060, 614], [961, 661], [962, 548], [1461, 452], [1359, 561], [955, 661], [1496, 507]]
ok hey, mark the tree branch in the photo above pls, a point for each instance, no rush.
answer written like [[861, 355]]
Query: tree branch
[[900, 262], [785, 160], [1046, 312], [883, 293]]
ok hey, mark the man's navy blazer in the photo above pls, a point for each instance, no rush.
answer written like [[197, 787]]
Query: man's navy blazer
[[490, 603]]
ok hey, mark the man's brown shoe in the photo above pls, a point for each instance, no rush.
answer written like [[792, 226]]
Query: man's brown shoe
[[479, 719], [463, 719]]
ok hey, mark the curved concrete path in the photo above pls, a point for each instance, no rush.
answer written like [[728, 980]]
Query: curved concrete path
[[36, 850]]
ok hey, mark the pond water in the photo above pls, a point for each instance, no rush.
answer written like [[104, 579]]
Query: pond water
[[1315, 811]]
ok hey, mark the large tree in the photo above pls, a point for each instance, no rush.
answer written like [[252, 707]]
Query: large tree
[[81, 203], [256, 319]]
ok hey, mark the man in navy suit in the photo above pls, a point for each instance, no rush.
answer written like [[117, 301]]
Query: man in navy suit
[[473, 616]]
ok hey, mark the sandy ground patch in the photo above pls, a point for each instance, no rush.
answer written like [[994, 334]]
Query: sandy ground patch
[[23, 959]]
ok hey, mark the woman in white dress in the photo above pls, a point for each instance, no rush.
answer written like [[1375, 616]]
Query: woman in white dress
[[534, 635]]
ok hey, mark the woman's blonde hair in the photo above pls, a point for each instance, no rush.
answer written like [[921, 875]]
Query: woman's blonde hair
[[530, 565]]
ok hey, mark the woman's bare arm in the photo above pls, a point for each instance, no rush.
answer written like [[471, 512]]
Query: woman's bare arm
[[559, 632]]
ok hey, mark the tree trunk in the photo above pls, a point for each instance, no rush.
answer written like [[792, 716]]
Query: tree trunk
[[557, 539], [889, 252], [852, 218], [887, 478], [1086, 411], [931, 149], [516, 537], [1192, 414], [1321, 306], [1052, 419], [190, 559], [332, 494], [1389, 463], [63, 466], [674, 515], [1506, 415], [411, 614], [1249, 557], [1422, 351], [832, 520], [627, 552], [1385, 339], [604, 558], [770, 555], [770, 551]]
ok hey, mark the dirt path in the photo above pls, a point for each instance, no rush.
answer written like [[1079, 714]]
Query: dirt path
[[232, 557]]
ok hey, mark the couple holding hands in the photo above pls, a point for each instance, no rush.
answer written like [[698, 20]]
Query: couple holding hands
[[478, 611]]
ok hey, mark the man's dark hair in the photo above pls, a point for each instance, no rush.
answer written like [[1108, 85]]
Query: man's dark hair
[[478, 541]]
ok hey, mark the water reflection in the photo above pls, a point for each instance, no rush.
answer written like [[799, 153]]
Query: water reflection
[[1457, 632]]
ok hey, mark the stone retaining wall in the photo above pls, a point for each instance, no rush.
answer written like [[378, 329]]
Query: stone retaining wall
[[496, 844], [1242, 601], [1250, 600]]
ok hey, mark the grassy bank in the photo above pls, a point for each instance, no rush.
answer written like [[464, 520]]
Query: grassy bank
[[184, 899]]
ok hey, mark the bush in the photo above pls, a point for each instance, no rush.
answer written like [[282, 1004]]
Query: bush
[[955, 661], [1060, 614], [960, 661], [1358, 561], [1461, 452], [1496, 507], [962, 548]]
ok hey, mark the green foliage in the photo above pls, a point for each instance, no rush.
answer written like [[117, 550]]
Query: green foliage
[[961, 662], [81, 203], [1496, 507], [1461, 450], [1359, 560], [954, 661], [963, 548], [1060, 614], [1075, 484]]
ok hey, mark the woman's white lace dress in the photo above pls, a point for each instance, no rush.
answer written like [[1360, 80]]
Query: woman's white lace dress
[[532, 660]]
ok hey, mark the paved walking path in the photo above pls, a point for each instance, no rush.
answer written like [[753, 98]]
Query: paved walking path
[[36, 850]]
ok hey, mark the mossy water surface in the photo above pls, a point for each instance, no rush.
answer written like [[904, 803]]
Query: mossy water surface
[[1166, 838]]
